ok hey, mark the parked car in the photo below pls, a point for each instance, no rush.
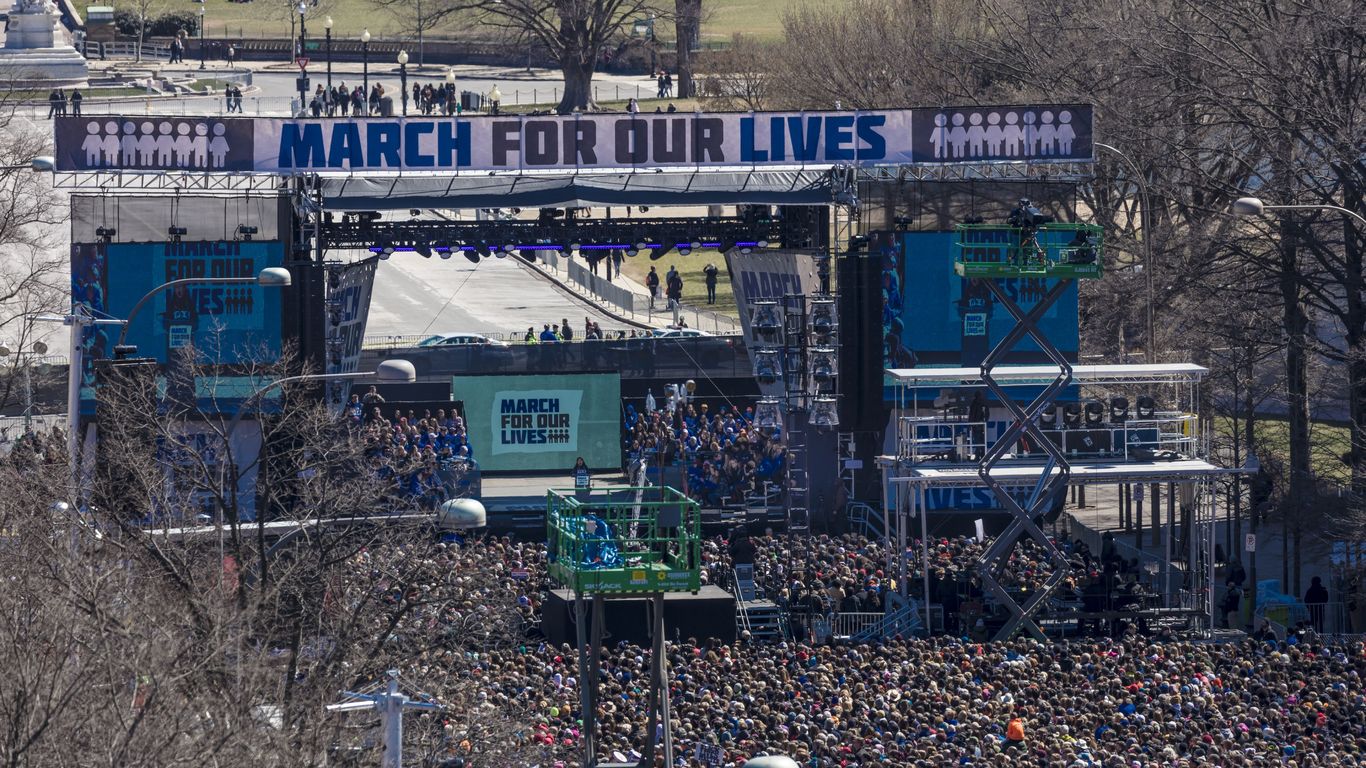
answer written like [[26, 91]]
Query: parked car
[[678, 333], [460, 339]]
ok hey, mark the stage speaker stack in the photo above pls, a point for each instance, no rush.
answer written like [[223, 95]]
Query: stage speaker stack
[[859, 276]]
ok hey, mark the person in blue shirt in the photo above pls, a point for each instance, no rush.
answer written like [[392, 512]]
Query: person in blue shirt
[[548, 336]]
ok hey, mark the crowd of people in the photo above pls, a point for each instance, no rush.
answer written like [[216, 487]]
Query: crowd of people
[[33, 446], [422, 456], [1126, 700], [726, 457], [812, 576]]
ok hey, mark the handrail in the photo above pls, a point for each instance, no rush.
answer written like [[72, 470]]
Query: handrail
[[871, 519], [904, 621]]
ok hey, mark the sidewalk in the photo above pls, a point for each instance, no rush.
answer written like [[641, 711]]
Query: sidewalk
[[626, 297]]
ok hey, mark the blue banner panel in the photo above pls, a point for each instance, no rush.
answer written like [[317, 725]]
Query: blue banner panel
[[227, 324]]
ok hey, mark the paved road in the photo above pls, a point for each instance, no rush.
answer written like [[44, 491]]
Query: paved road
[[416, 295]]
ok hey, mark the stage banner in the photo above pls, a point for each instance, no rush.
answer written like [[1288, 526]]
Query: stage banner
[[542, 423], [580, 142], [768, 276], [349, 287]]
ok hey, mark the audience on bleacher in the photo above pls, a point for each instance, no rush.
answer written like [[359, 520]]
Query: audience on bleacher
[[418, 455], [727, 458]]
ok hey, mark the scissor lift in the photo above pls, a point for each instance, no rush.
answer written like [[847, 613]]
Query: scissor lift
[[615, 542], [1061, 252]]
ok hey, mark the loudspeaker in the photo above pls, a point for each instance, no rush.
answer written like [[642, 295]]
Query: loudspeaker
[[860, 335]]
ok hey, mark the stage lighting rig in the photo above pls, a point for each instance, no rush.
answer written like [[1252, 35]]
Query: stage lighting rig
[[176, 233], [105, 234], [245, 232]]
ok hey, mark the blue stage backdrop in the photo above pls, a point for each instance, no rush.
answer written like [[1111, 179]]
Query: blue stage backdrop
[[227, 324], [932, 318]]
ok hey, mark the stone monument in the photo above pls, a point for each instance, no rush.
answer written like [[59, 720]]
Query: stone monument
[[36, 52]]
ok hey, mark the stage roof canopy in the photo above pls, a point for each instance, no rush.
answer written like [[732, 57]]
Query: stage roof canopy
[[1033, 375], [795, 186]]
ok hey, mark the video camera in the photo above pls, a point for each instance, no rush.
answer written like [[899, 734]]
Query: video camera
[[1026, 216]]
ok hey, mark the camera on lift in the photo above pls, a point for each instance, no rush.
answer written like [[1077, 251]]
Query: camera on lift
[[1027, 216]]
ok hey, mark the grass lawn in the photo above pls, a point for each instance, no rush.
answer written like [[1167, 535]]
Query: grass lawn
[[271, 18], [690, 266], [1328, 443]]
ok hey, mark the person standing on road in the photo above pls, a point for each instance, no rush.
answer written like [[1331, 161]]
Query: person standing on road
[[652, 282], [567, 329], [76, 98], [709, 273]]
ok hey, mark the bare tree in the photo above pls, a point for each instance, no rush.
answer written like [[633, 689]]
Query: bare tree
[[738, 76]]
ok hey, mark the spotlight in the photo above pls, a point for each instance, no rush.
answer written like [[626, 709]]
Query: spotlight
[[483, 248], [768, 414], [414, 211], [858, 242], [726, 245], [106, 233], [176, 233], [767, 369], [824, 414], [423, 247], [446, 254], [761, 243], [824, 366], [246, 232], [574, 244], [509, 247], [631, 250], [684, 249], [472, 256], [767, 321], [657, 252]]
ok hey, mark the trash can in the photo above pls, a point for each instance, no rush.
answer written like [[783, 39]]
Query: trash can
[[471, 101], [386, 106]]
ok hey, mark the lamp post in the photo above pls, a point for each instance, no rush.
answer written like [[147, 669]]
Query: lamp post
[[1144, 223], [365, 64], [80, 319], [1253, 206], [388, 371], [495, 96], [450, 90], [201, 38], [270, 277], [403, 79], [327, 28], [303, 52]]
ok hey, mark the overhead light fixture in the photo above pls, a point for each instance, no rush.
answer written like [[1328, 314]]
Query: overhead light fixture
[[473, 256], [631, 250], [423, 247], [768, 414], [106, 234], [657, 251], [176, 233], [684, 249], [484, 249], [767, 368], [858, 242], [824, 365], [575, 245], [824, 414], [245, 232], [761, 243]]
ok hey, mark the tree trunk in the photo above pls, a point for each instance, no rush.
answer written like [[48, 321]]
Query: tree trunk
[[688, 25], [1296, 380], [1354, 320], [578, 87]]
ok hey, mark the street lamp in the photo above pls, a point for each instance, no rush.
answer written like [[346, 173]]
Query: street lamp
[[403, 79], [450, 89], [41, 163], [1253, 206], [80, 319], [327, 27], [303, 68], [365, 63], [495, 96], [270, 277], [1144, 223], [201, 38], [387, 372]]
